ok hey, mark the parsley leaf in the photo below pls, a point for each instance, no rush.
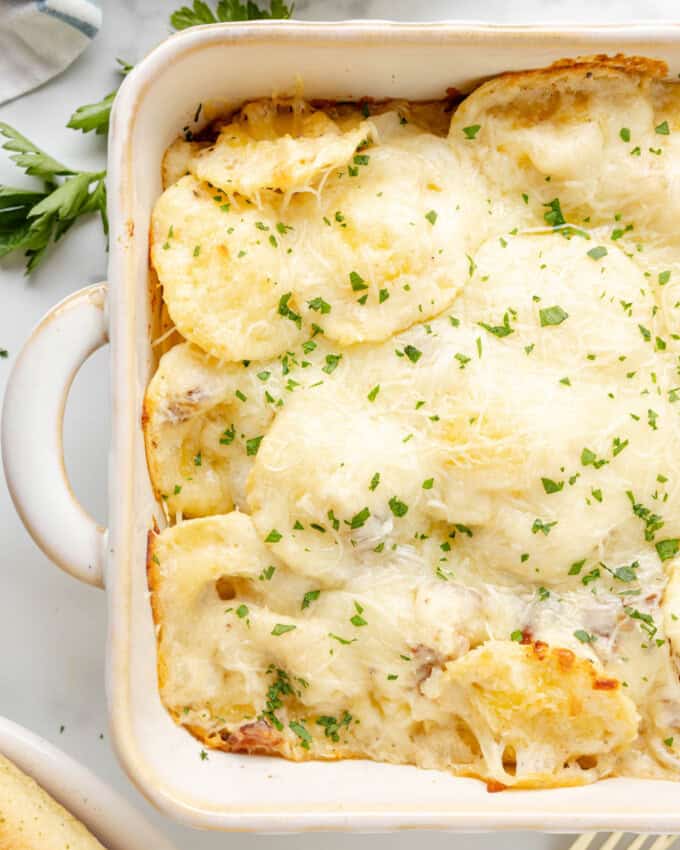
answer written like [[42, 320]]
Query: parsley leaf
[[551, 486], [543, 527], [667, 549], [412, 353], [471, 131], [357, 281], [95, 116], [31, 219], [553, 216], [227, 10], [399, 509], [281, 629], [584, 637], [499, 330], [309, 597], [597, 253], [552, 316], [319, 305]]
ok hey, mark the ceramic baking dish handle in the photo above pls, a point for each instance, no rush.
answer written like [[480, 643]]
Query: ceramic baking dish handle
[[32, 424]]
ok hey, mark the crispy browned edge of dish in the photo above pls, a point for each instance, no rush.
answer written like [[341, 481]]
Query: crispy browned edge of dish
[[253, 740]]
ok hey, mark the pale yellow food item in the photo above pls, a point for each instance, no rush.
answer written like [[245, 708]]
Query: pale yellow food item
[[32, 820], [439, 527], [365, 248], [236, 623]]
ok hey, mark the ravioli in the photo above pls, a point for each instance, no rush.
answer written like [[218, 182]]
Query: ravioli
[[417, 455]]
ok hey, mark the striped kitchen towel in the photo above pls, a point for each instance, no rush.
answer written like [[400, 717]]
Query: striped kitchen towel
[[39, 38]]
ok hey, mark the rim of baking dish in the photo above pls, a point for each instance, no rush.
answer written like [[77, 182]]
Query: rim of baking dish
[[537, 810]]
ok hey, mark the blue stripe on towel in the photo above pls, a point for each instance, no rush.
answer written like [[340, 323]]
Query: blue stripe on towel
[[78, 24]]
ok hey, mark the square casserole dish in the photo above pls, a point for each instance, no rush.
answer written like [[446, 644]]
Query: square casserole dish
[[228, 64]]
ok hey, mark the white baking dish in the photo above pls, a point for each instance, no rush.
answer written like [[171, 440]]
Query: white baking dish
[[158, 99], [104, 812]]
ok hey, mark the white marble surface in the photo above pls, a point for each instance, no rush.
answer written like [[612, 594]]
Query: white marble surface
[[52, 628]]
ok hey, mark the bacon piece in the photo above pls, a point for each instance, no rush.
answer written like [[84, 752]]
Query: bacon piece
[[255, 737]]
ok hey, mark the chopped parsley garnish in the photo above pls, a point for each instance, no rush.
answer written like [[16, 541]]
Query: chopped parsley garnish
[[431, 216], [332, 361], [383, 295], [462, 359], [273, 537], [373, 394], [374, 481], [646, 621], [624, 133], [267, 573], [597, 253], [341, 640], [398, 508], [592, 576], [626, 573], [618, 445], [584, 637], [553, 215], [653, 522], [319, 305], [357, 619], [428, 484], [543, 594], [359, 519], [242, 611], [543, 527], [285, 311], [252, 446], [664, 277], [576, 567], [551, 486], [471, 131], [413, 353], [302, 732], [198, 459], [309, 597], [228, 436], [589, 458], [331, 726], [357, 281], [282, 628], [662, 129], [669, 548], [517, 635], [499, 330], [552, 316]]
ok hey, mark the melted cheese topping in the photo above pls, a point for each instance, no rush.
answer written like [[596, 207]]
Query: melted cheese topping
[[425, 424]]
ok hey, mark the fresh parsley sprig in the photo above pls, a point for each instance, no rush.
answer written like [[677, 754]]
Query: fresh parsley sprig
[[227, 10], [96, 116], [31, 219]]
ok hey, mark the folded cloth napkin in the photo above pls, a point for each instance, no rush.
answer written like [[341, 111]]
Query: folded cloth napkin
[[39, 38]]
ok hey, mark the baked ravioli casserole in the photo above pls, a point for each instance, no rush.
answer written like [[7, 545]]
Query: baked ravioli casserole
[[415, 429]]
